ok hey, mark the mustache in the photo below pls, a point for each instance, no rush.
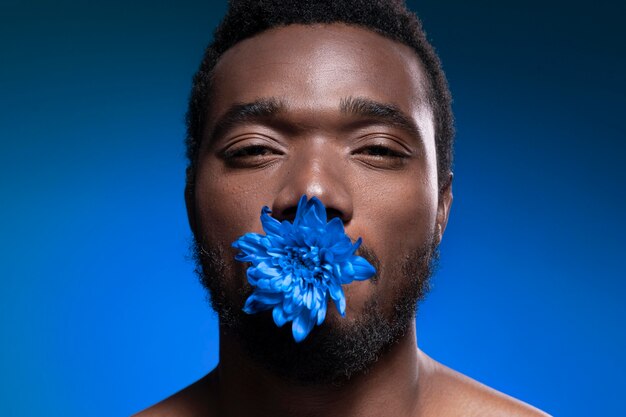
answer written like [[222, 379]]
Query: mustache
[[217, 255]]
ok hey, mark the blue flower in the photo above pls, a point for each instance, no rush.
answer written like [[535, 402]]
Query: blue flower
[[296, 267]]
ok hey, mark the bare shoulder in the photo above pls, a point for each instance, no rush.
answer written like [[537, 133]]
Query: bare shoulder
[[192, 401], [450, 393]]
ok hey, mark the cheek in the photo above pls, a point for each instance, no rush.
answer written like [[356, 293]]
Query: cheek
[[401, 216], [412, 213], [412, 220], [394, 222], [405, 226], [226, 207]]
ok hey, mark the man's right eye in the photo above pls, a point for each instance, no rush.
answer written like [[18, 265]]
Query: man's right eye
[[247, 151], [250, 156]]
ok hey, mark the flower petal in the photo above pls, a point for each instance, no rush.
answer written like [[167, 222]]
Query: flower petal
[[279, 315], [308, 298], [335, 227], [336, 292], [312, 219], [362, 268], [302, 204], [255, 305], [321, 313], [268, 297], [302, 326], [342, 248], [270, 224], [287, 282], [348, 270], [340, 303], [291, 308], [317, 207], [286, 228], [249, 243]]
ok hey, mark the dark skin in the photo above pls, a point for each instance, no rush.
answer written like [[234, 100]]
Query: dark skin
[[378, 174]]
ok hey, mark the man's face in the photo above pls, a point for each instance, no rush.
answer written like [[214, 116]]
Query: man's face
[[331, 111]]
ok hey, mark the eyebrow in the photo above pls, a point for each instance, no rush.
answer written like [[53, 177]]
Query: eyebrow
[[240, 113], [268, 108], [385, 113]]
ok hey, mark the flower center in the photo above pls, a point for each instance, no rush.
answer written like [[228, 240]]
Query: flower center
[[305, 264]]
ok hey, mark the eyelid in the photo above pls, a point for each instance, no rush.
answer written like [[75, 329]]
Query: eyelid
[[384, 140], [250, 140]]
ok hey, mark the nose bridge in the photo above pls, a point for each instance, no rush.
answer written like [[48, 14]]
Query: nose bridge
[[315, 171], [316, 168]]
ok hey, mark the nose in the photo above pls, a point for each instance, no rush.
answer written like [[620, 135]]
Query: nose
[[320, 175]]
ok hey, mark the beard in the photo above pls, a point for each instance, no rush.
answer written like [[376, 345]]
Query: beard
[[338, 349]]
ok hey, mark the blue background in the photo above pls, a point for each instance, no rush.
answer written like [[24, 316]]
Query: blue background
[[100, 311]]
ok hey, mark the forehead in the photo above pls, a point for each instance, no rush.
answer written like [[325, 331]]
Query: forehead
[[315, 66]]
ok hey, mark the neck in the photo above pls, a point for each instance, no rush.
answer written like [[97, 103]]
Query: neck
[[389, 387]]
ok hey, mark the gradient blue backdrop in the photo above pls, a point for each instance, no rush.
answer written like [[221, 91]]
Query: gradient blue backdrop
[[100, 311]]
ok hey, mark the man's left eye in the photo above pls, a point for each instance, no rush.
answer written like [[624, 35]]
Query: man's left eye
[[381, 156], [383, 151]]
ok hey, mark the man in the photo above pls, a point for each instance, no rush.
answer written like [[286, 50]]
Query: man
[[344, 101]]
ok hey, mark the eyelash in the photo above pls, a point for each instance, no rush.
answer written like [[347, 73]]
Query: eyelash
[[260, 150], [259, 156], [383, 152], [247, 152], [250, 156]]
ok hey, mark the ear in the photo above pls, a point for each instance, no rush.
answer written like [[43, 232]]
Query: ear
[[190, 201], [443, 208]]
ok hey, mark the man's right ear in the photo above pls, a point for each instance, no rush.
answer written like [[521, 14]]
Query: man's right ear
[[190, 201]]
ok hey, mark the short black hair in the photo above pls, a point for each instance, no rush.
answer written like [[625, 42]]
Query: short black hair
[[389, 18]]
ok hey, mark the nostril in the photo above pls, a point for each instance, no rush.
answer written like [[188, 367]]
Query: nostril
[[288, 214], [331, 213]]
